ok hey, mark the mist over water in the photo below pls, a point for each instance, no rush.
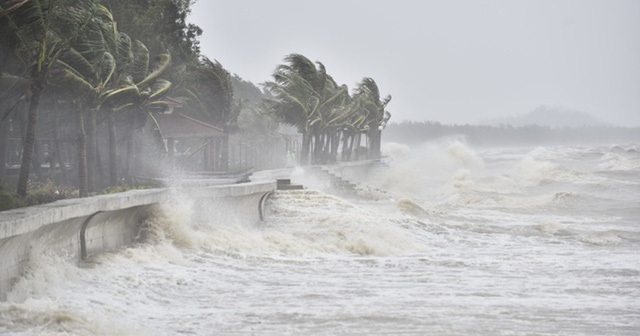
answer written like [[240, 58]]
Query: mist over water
[[443, 239]]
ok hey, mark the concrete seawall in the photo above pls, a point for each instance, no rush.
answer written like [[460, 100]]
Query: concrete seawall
[[78, 228]]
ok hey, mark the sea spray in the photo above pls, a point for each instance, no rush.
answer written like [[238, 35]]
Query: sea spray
[[472, 249], [414, 171], [44, 270]]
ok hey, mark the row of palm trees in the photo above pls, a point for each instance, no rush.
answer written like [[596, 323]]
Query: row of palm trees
[[325, 113], [67, 60], [72, 50], [71, 55]]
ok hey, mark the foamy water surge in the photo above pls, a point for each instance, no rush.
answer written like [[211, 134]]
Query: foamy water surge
[[456, 241]]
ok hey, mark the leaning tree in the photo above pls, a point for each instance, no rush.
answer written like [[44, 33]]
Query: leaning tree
[[372, 107], [43, 30]]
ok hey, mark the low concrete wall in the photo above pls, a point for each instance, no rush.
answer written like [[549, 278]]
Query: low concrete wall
[[78, 228], [23, 220]]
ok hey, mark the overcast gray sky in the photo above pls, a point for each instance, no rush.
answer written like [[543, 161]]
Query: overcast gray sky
[[454, 61]]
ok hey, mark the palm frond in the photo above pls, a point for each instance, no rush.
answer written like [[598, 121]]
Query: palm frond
[[120, 94], [107, 68], [159, 88], [139, 66], [75, 81], [11, 6], [11, 85], [162, 62], [73, 60], [122, 107]]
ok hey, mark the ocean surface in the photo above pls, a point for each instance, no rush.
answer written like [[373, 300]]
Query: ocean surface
[[443, 239]]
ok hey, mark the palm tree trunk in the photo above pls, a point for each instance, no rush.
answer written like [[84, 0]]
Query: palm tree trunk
[[129, 166], [317, 148], [4, 138], [224, 157], [357, 139], [375, 143], [54, 160], [36, 164], [83, 183], [326, 139], [113, 151], [345, 147], [63, 167], [30, 139], [334, 146], [55, 157], [99, 180], [326, 151], [304, 151], [91, 149]]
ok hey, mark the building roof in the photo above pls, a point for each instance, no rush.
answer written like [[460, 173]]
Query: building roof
[[176, 125]]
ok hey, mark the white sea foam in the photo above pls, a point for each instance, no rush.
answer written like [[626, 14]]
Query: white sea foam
[[427, 166], [492, 241], [43, 271]]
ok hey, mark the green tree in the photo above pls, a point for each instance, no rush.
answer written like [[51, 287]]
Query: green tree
[[211, 95], [43, 29], [295, 88], [372, 107], [306, 96], [161, 25], [137, 94], [260, 130], [92, 67]]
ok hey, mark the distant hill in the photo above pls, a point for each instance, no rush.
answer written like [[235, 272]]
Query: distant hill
[[550, 117]]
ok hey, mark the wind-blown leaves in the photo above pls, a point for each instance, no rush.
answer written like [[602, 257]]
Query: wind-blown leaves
[[372, 105], [161, 63], [12, 86], [139, 66], [159, 88], [10, 6], [306, 96], [41, 30]]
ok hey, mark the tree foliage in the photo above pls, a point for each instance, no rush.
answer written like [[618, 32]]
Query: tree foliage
[[76, 51], [110, 65], [307, 97]]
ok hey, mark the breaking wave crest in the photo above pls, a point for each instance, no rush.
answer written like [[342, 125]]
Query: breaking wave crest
[[458, 226]]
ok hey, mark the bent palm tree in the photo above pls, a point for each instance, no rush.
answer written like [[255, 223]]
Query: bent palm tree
[[300, 93], [43, 29], [138, 90], [372, 108], [212, 92], [91, 65]]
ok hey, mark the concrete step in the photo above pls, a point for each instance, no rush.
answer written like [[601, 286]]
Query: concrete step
[[285, 184], [290, 187]]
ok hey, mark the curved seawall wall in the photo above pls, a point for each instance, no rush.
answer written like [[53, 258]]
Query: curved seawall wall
[[78, 228]]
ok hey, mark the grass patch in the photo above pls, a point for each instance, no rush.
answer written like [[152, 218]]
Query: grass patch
[[47, 192], [122, 188], [9, 200]]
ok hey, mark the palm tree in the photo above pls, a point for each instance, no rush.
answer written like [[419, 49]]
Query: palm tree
[[332, 114], [89, 68], [211, 94], [43, 29], [372, 107], [260, 129], [115, 77], [138, 90], [298, 89], [98, 63], [307, 97], [12, 96]]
